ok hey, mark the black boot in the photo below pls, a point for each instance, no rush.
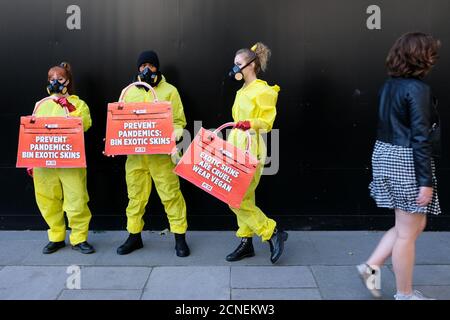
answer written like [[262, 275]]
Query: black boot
[[181, 246], [133, 242], [277, 244], [84, 247], [53, 247], [244, 250]]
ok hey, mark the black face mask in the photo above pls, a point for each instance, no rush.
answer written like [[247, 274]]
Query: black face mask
[[236, 72], [152, 78], [55, 87]]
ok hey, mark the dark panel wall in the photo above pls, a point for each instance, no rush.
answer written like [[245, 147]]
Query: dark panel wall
[[328, 64]]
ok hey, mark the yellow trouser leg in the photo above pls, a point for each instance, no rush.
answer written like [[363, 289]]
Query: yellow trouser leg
[[139, 184], [251, 219], [244, 230], [76, 199], [48, 191], [168, 186]]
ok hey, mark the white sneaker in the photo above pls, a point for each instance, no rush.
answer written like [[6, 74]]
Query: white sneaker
[[365, 273], [416, 295]]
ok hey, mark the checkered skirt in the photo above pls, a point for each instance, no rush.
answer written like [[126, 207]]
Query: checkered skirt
[[394, 181]]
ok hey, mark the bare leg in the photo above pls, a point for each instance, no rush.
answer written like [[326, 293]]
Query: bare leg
[[384, 248], [408, 226]]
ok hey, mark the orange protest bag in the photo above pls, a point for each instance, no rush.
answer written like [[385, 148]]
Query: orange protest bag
[[218, 167], [51, 142], [139, 127]]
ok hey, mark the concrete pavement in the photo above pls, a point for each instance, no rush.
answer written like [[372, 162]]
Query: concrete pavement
[[315, 265]]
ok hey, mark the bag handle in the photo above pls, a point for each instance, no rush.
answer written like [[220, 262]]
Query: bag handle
[[135, 84], [40, 102], [232, 124]]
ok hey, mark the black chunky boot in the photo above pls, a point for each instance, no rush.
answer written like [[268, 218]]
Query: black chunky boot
[[84, 248], [244, 250], [277, 244], [53, 247], [181, 246], [133, 242]]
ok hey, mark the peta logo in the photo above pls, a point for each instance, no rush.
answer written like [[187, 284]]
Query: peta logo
[[73, 21], [206, 186], [50, 163]]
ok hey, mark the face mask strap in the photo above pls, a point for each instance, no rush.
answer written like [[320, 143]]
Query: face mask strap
[[237, 70], [248, 63]]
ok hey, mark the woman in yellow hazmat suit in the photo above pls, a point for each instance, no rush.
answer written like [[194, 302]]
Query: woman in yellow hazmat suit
[[141, 170], [254, 109], [60, 190]]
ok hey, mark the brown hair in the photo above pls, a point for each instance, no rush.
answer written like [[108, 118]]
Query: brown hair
[[66, 70], [412, 55], [260, 52]]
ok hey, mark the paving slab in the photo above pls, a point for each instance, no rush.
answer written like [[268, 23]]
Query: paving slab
[[275, 294], [431, 248], [188, 283], [23, 235], [119, 278], [32, 283], [432, 275], [100, 295], [272, 277], [15, 252], [343, 248]]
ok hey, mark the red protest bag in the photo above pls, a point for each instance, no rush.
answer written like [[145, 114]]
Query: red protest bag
[[218, 167], [51, 142], [139, 127]]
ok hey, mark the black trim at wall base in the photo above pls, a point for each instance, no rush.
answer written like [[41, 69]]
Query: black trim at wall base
[[228, 222]]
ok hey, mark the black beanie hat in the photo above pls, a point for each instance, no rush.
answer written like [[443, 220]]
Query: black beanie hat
[[148, 57]]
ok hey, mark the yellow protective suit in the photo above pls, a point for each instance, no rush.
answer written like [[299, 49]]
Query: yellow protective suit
[[255, 103], [60, 190], [141, 170]]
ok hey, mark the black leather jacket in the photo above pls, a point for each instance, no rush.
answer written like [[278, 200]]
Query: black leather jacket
[[408, 117]]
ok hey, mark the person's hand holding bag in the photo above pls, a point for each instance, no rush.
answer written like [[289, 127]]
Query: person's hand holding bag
[[243, 125], [63, 102]]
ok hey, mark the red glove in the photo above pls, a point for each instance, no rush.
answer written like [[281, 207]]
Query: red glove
[[63, 102], [243, 125], [30, 172]]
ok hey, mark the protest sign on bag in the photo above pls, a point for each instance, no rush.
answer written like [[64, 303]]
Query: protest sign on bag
[[50, 142], [218, 167], [139, 127]]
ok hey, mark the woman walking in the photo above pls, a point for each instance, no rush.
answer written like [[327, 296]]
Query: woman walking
[[403, 159], [254, 109]]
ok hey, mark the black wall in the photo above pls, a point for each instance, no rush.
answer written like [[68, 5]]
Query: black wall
[[328, 64]]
